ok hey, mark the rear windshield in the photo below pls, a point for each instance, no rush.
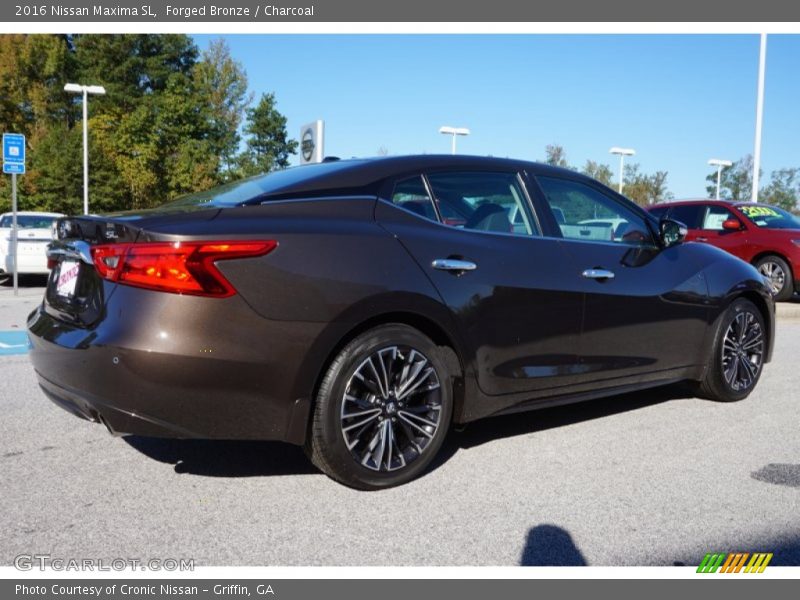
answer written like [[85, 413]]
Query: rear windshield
[[246, 190], [770, 217], [28, 221]]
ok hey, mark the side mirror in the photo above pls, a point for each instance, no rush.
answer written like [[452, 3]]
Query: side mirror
[[671, 232], [731, 225]]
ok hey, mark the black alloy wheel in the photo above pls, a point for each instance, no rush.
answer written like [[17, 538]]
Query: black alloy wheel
[[738, 355], [383, 409]]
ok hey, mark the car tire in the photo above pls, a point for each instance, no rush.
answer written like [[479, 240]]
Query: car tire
[[778, 271], [738, 352], [382, 410]]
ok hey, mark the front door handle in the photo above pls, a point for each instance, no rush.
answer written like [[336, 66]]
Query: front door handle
[[598, 274], [701, 239], [453, 264]]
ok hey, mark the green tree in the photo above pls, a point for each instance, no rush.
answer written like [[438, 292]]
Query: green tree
[[598, 171], [645, 189], [222, 81], [268, 144], [736, 181], [556, 155], [783, 189]]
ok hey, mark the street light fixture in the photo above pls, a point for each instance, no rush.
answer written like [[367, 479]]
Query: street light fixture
[[75, 88], [454, 131], [622, 152], [719, 163]]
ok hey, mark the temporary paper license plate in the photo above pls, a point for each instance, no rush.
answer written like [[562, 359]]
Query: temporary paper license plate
[[67, 278]]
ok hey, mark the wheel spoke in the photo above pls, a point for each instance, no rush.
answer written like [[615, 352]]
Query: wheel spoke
[[372, 416], [419, 428]]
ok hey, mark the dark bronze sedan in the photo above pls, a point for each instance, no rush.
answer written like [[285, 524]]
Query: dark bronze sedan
[[361, 307]]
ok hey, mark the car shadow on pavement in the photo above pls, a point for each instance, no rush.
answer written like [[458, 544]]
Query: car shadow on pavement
[[24, 281], [222, 458], [550, 546], [495, 428]]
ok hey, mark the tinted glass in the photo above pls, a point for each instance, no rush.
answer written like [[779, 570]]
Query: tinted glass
[[28, 221], [715, 216], [658, 212], [688, 214], [482, 201], [584, 213], [411, 195], [770, 217], [239, 192]]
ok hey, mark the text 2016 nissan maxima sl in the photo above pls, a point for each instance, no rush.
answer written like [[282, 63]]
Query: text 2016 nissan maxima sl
[[361, 307]]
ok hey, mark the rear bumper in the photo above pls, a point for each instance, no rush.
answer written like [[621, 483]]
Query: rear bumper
[[161, 365]]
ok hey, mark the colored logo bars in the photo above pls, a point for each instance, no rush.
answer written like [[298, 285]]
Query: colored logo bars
[[734, 562]]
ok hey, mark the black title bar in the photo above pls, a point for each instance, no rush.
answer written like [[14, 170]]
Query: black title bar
[[439, 11]]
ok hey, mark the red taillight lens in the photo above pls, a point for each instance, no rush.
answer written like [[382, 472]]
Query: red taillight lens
[[179, 267]]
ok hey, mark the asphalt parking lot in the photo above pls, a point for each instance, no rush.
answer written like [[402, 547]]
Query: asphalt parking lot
[[654, 478]]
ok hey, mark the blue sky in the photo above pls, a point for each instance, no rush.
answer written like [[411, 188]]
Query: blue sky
[[677, 99]]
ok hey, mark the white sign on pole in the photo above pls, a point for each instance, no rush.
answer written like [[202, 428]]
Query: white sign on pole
[[312, 142]]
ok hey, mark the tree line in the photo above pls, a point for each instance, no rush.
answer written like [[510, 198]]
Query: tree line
[[736, 181], [174, 120]]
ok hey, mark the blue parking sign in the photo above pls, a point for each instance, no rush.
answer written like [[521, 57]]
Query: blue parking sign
[[13, 148]]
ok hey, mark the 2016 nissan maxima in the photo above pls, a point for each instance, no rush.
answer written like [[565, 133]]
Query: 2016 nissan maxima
[[360, 307]]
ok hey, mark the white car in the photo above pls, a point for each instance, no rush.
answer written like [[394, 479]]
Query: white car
[[34, 232]]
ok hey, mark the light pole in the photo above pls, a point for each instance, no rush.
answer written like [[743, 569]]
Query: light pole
[[75, 88], [622, 152], [454, 131], [719, 163], [762, 63]]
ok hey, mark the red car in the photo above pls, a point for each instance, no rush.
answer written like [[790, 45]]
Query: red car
[[766, 236]]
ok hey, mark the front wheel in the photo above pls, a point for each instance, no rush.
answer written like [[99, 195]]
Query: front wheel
[[779, 274], [383, 409], [738, 354]]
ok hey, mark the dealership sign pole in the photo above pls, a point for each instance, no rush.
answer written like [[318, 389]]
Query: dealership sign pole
[[14, 163]]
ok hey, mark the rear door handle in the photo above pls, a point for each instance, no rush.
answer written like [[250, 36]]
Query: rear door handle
[[453, 264], [598, 274], [701, 239]]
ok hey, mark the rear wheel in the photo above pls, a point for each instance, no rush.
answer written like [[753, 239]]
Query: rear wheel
[[738, 354], [383, 409], [779, 274]]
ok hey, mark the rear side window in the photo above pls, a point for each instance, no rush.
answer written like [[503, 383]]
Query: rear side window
[[483, 201], [688, 214], [412, 195], [586, 214]]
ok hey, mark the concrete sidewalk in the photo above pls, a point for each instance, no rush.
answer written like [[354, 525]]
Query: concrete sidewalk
[[14, 310]]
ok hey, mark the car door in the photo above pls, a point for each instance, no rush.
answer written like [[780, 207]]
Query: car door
[[712, 232], [645, 307], [475, 236]]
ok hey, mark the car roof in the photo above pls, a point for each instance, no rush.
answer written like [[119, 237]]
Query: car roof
[[684, 201], [357, 173]]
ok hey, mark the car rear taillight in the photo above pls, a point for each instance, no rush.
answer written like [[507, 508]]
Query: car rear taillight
[[177, 267]]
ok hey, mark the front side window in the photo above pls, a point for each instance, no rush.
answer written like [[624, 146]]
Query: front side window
[[715, 216], [584, 213], [483, 201]]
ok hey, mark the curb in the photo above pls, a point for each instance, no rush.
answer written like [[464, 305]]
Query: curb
[[787, 310]]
